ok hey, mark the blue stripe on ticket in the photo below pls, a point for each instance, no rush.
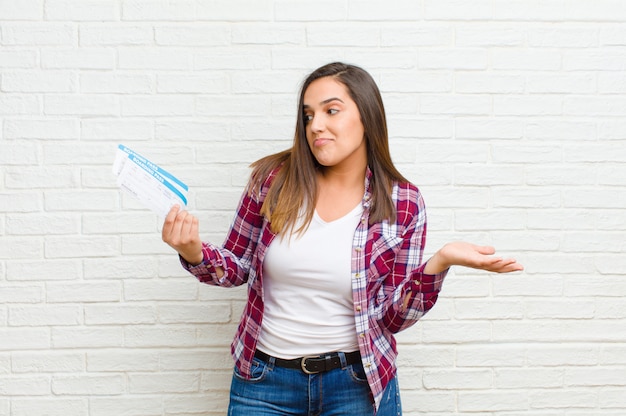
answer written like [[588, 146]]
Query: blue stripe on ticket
[[141, 163], [154, 168]]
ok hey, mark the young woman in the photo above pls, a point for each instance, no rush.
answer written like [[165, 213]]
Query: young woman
[[329, 238]]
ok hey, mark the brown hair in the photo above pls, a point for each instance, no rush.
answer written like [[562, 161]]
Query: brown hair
[[295, 184]]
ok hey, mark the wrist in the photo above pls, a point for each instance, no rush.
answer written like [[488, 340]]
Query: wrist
[[193, 260], [436, 264]]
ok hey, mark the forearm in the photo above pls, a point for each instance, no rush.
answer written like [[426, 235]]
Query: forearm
[[436, 264]]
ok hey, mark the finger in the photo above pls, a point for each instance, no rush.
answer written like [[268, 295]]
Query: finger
[[169, 222], [187, 228], [509, 265], [487, 250]]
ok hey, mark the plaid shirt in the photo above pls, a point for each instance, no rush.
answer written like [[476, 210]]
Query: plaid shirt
[[389, 289]]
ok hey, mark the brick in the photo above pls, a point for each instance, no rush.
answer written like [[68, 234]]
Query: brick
[[96, 385], [593, 60], [457, 105], [53, 406], [43, 271], [342, 34], [562, 399], [91, 10], [128, 405], [154, 106], [21, 294], [53, 129], [46, 81], [15, 339], [240, 58], [67, 247], [564, 37], [115, 129], [193, 35], [119, 314], [458, 380], [64, 292], [118, 223], [165, 382], [171, 289], [192, 131], [401, 34], [529, 10], [122, 268], [287, 11], [47, 362], [190, 313], [528, 378], [105, 83], [43, 178], [24, 385], [274, 33], [83, 337], [522, 105], [470, 82], [488, 128], [199, 84], [489, 35], [18, 58], [546, 176], [122, 360], [543, 83], [154, 58], [20, 248], [21, 9], [150, 336], [45, 315], [437, 332], [94, 105], [492, 401], [81, 201], [457, 10], [415, 81], [86, 58], [19, 104], [50, 34], [453, 59], [194, 360], [112, 34]]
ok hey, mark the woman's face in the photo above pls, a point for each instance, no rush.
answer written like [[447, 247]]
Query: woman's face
[[334, 130]]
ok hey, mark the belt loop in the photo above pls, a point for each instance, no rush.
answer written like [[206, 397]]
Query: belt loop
[[271, 362], [342, 359]]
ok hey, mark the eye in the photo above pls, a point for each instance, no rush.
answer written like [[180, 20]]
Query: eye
[[307, 118], [332, 111]]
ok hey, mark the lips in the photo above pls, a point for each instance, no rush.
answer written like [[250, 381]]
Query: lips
[[321, 142]]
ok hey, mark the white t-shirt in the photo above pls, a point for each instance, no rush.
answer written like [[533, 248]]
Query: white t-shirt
[[307, 290]]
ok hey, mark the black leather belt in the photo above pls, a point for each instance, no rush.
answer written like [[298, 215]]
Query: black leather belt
[[312, 364]]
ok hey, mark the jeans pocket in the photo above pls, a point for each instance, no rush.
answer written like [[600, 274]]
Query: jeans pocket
[[357, 373], [258, 370]]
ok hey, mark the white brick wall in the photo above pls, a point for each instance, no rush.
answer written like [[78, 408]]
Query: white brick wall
[[509, 114]]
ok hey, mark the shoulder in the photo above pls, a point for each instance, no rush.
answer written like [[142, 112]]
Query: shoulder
[[408, 201], [258, 187]]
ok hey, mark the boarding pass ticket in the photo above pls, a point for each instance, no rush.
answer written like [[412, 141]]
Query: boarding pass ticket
[[153, 186]]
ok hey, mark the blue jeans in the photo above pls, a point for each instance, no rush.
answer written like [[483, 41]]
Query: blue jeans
[[274, 391]]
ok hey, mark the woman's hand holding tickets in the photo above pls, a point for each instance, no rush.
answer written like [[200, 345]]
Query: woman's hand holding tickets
[[180, 231]]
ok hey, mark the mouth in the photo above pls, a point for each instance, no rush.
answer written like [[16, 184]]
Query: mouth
[[321, 141]]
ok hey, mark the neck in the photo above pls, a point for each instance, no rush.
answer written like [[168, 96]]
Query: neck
[[343, 178]]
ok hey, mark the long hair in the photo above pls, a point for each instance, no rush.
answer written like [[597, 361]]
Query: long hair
[[295, 183]]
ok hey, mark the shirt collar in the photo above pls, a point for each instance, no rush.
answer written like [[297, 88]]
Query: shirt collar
[[367, 196]]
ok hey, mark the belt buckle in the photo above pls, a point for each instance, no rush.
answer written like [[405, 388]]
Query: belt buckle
[[303, 365]]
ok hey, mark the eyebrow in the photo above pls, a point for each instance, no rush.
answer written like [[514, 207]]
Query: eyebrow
[[326, 101]]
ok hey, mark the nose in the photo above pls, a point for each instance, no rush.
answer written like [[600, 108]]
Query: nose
[[317, 123]]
